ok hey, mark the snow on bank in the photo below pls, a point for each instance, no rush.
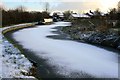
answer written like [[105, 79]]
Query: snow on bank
[[12, 62], [0, 56], [68, 56]]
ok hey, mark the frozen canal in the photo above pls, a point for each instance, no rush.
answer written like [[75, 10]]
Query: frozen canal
[[72, 59]]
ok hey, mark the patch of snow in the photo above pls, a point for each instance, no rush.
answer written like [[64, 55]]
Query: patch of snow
[[60, 14], [0, 54], [119, 46], [0, 57], [68, 56], [77, 15], [12, 62]]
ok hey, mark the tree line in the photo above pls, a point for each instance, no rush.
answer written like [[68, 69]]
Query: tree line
[[20, 15], [112, 14]]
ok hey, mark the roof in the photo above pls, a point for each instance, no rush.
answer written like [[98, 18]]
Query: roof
[[60, 14], [77, 15]]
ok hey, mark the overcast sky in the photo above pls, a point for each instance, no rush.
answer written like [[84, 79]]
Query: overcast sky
[[61, 5]]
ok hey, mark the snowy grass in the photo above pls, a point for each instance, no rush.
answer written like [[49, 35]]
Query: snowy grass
[[68, 56], [12, 63]]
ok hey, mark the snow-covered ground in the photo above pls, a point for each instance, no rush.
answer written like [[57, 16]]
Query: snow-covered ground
[[0, 55], [12, 62], [68, 56]]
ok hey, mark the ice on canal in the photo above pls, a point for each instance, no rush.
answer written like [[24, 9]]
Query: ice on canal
[[68, 56]]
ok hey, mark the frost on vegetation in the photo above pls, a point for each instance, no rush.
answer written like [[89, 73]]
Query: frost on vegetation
[[12, 63]]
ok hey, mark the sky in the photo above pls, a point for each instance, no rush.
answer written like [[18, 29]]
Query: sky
[[61, 5]]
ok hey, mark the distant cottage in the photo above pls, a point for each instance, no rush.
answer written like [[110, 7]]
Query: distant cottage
[[78, 16], [57, 16]]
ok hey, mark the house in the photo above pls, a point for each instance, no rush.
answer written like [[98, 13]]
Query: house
[[94, 15], [57, 16], [78, 16]]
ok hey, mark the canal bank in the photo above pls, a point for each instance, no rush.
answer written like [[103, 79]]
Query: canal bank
[[42, 70], [14, 64], [43, 66]]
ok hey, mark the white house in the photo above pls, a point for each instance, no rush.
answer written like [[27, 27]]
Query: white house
[[78, 16], [57, 16], [60, 14]]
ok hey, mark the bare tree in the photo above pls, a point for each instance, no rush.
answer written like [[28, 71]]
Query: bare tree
[[113, 13], [21, 9], [47, 6], [67, 14], [97, 12], [119, 6]]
